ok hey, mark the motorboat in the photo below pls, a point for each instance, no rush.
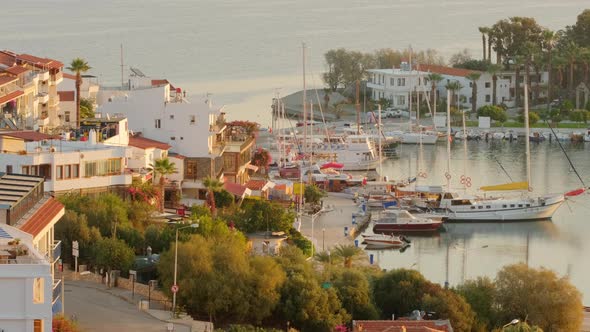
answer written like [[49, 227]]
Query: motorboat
[[402, 221], [498, 135], [385, 240], [536, 137]]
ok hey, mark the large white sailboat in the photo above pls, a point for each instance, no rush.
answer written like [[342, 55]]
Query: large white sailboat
[[460, 207]]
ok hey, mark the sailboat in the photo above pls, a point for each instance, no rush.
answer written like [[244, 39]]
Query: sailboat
[[526, 207]]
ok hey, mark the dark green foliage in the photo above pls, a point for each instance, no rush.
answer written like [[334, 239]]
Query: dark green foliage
[[223, 198], [496, 113], [74, 227], [112, 254], [399, 292], [473, 64], [355, 293], [300, 241], [132, 237], [259, 215], [313, 194], [480, 294]]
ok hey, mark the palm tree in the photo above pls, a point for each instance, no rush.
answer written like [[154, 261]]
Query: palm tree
[[433, 78], [78, 66], [484, 31], [571, 52], [348, 252], [473, 77], [213, 185], [585, 59], [453, 86], [549, 38], [494, 69], [162, 168]]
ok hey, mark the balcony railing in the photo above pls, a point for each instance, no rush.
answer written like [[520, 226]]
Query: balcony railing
[[55, 251], [56, 78], [43, 97], [44, 75], [57, 285]]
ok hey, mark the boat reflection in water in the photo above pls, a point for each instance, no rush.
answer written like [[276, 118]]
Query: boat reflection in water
[[466, 251]]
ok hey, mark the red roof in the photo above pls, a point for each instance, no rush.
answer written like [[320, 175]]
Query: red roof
[[175, 155], [146, 143], [67, 95], [159, 82], [11, 96], [40, 62], [16, 70], [69, 76], [255, 184], [29, 136], [7, 58], [400, 325], [234, 188], [445, 70], [7, 79], [43, 217]]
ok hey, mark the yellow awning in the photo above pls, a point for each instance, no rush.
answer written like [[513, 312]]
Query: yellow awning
[[507, 186], [298, 188]]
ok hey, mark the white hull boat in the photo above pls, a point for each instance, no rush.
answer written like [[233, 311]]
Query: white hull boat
[[385, 241]]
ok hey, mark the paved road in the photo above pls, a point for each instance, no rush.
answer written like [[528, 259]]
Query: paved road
[[98, 310]]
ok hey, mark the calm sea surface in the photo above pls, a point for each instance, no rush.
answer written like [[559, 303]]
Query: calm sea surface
[[241, 51], [468, 250]]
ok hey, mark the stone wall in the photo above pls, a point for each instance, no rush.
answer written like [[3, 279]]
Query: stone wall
[[141, 289]]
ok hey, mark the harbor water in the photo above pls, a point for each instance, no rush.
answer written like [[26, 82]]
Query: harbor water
[[468, 250]]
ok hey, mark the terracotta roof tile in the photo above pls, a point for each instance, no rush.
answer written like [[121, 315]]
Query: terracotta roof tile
[[255, 184], [159, 82], [175, 155], [445, 70], [29, 136], [235, 188], [69, 76], [67, 95], [40, 62], [398, 325], [7, 58], [7, 79], [49, 212], [11, 96], [16, 70], [146, 143]]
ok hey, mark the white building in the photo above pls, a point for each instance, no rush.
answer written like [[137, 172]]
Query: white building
[[194, 130], [29, 254], [91, 164], [396, 84], [25, 284], [28, 91]]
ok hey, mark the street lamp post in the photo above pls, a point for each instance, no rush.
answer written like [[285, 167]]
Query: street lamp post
[[513, 322], [176, 265]]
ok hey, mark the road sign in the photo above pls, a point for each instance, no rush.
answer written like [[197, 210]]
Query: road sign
[[174, 288], [75, 249]]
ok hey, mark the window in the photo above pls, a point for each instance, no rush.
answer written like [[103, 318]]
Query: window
[[8, 168], [480, 207], [38, 290], [157, 123], [59, 172], [193, 119], [473, 208], [488, 98], [102, 167], [75, 171], [519, 205], [512, 205], [401, 100], [229, 163], [38, 323], [470, 84], [67, 113], [528, 205], [171, 116], [173, 138], [392, 81], [488, 207], [190, 171], [25, 170], [504, 206], [67, 171], [488, 84], [401, 82]]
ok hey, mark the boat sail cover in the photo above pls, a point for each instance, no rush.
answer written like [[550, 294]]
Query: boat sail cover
[[507, 186]]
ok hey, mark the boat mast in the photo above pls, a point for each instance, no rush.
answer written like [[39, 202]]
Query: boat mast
[[304, 103], [309, 180], [358, 108], [448, 175], [527, 133], [464, 152], [380, 153]]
